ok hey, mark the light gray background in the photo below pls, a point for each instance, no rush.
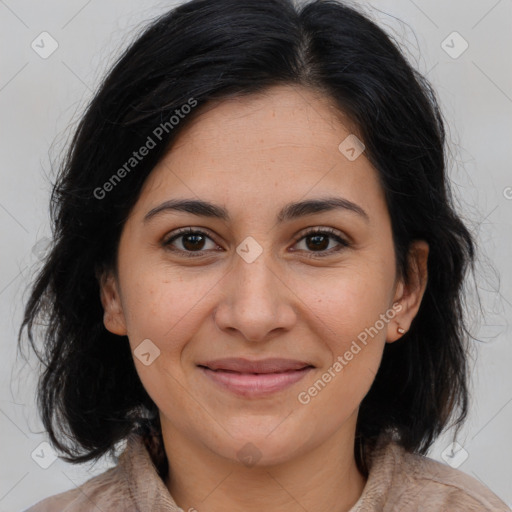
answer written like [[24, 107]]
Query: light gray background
[[41, 100]]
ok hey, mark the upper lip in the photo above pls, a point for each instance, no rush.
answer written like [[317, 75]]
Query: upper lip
[[241, 365]]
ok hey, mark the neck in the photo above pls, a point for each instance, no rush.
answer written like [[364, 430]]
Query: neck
[[325, 478]]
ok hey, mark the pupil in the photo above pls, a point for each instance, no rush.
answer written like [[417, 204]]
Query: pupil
[[193, 245], [315, 244]]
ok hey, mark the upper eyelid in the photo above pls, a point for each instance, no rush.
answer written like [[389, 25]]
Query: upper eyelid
[[184, 231], [320, 229]]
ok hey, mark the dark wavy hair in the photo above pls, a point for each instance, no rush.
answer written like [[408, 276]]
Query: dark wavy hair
[[89, 394]]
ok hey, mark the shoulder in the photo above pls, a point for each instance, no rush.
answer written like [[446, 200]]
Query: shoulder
[[447, 488], [133, 484], [414, 482], [106, 491]]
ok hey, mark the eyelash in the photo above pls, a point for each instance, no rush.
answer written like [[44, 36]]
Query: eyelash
[[310, 232]]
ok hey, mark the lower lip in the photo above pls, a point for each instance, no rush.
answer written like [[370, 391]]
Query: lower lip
[[255, 385]]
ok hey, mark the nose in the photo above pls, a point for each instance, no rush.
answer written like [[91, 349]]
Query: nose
[[256, 302]]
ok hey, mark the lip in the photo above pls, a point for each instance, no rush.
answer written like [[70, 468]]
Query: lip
[[252, 379], [241, 365]]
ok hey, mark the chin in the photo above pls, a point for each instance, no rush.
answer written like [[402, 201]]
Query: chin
[[262, 448]]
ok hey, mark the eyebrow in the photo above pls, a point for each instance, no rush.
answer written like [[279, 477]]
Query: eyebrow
[[289, 212]]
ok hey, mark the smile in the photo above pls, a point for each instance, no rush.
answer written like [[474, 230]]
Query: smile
[[254, 379]]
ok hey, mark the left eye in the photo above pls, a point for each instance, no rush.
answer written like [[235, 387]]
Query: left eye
[[319, 241], [194, 241]]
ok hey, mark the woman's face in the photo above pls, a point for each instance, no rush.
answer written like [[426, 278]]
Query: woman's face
[[252, 285]]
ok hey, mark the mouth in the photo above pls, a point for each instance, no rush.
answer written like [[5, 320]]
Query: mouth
[[253, 379]]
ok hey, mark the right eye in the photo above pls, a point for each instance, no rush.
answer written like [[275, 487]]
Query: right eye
[[191, 241]]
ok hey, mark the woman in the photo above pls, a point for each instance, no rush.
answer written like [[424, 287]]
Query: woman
[[256, 275]]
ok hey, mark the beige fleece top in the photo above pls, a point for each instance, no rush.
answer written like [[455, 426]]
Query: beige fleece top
[[398, 481]]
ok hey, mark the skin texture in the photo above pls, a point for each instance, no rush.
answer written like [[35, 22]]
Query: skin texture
[[252, 156]]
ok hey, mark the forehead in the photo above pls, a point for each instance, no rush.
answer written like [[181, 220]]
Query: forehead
[[290, 115], [274, 147]]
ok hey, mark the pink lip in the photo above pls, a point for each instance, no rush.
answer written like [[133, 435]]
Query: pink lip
[[241, 365], [255, 378]]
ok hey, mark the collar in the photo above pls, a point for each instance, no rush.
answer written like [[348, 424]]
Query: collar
[[148, 491]]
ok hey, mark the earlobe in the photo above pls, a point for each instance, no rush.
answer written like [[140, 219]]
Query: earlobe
[[113, 316], [410, 294]]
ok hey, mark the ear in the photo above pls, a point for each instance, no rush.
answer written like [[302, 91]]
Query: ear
[[113, 316], [409, 294]]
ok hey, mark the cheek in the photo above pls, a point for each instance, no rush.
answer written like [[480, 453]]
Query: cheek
[[352, 312], [165, 310], [164, 306], [352, 321], [350, 300]]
